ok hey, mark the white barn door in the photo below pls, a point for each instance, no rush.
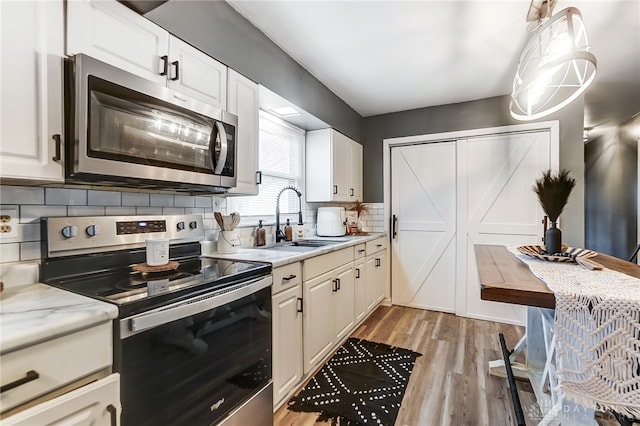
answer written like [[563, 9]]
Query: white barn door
[[496, 205], [424, 201], [448, 196]]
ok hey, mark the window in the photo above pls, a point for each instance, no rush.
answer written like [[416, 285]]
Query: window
[[281, 163]]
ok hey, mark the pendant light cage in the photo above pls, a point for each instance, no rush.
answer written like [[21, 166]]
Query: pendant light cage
[[555, 67]]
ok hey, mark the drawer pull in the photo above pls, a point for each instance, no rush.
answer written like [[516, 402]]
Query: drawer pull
[[28, 377], [113, 411], [289, 278], [361, 251], [378, 245]]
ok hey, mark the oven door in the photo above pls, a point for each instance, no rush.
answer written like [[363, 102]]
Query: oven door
[[128, 128], [193, 362]]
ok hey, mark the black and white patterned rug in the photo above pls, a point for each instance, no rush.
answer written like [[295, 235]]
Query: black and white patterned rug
[[362, 384]]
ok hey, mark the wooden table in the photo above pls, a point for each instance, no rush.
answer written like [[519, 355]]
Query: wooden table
[[504, 278]]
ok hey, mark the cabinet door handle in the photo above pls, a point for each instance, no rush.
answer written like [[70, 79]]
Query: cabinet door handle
[[29, 376], [357, 272], [299, 305], [352, 192], [165, 64], [289, 278], [58, 143], [377, 261], [176, 67], [394, 227], [259, 177], [113, 411], [338, 280], [335, 189], [334, 285]]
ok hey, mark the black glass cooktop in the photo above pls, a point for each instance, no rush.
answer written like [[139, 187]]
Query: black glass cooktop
[[110, 277]]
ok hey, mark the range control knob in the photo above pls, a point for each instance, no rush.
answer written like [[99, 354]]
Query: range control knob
[[193, 225], [180, 226], [69, 231], [93, 230]]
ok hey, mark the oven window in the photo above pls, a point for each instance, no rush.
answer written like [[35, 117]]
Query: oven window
[[195, 370], [125, 125]]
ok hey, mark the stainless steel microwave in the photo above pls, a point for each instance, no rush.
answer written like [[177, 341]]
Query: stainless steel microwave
[[126, 131]]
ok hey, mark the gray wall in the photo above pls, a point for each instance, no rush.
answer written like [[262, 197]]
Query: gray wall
[[490, 112], [218, 30], [611, 193]]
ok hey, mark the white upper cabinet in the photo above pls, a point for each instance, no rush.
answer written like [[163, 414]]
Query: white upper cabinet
[[113, 33], [333, 167], [32, 44], [242, 100]]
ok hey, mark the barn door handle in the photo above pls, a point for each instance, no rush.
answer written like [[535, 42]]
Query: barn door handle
[[545, 222], [394, 227]]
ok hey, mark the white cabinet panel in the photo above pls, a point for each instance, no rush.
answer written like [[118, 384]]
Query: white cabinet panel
[[376, 279], [318, 329], [113, 33], [360, 290], [195, 74], [287, 342], [96, 404], [242, 100], [344, 302], [333, 167], [32, 45]]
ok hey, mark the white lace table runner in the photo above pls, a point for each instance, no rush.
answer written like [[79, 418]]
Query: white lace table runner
[[597, 331]]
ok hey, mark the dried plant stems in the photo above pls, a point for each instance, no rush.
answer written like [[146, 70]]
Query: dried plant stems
[[553, 192]]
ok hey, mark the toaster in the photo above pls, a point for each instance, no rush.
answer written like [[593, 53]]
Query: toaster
[[331, 222]]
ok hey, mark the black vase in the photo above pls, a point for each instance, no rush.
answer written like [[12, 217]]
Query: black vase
[[553, 239]]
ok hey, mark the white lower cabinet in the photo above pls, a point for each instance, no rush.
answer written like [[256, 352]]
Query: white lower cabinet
[[328, 312], [96, 404], [360, 289], [287, 342], [376, 271]]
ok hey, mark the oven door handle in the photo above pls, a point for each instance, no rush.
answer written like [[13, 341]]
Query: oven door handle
[[139, 323], [222, 160]]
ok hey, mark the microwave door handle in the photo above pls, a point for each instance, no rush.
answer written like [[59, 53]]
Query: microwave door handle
[[222, 134]]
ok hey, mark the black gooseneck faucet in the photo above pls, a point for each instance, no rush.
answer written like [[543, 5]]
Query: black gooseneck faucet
[[279, 234]]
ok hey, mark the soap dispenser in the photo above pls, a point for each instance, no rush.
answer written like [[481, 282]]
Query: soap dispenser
[[288, 231], [261, 235]]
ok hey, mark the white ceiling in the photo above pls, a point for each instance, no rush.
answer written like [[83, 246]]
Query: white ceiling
[[387, 56]]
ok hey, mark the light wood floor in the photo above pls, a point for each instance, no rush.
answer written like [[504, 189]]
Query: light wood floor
[[450, 383]]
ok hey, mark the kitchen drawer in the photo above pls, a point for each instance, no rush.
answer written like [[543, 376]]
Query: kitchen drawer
[[360, 251], [286, 277], [96, 404], [376, 245], [315, 266], [57, 362]]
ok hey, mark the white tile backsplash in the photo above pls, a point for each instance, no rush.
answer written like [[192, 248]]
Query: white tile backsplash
[[9, 252], [21, 195], [104, 198], [135, 199], [120, 211], [34, 203], [85, 211], [64, 196], [161, 200], [184, 201], [29, 214], [30, 250]]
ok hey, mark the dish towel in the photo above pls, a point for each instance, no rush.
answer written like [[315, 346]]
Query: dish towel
[[597, 332]]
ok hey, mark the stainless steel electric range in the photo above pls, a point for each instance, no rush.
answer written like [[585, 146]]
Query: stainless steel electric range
[[192, 344]]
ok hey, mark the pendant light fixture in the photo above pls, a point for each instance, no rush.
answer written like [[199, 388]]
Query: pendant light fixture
[[555, 65]]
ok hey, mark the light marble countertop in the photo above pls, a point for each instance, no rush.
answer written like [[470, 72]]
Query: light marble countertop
[[33, 313], [280, 257]]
